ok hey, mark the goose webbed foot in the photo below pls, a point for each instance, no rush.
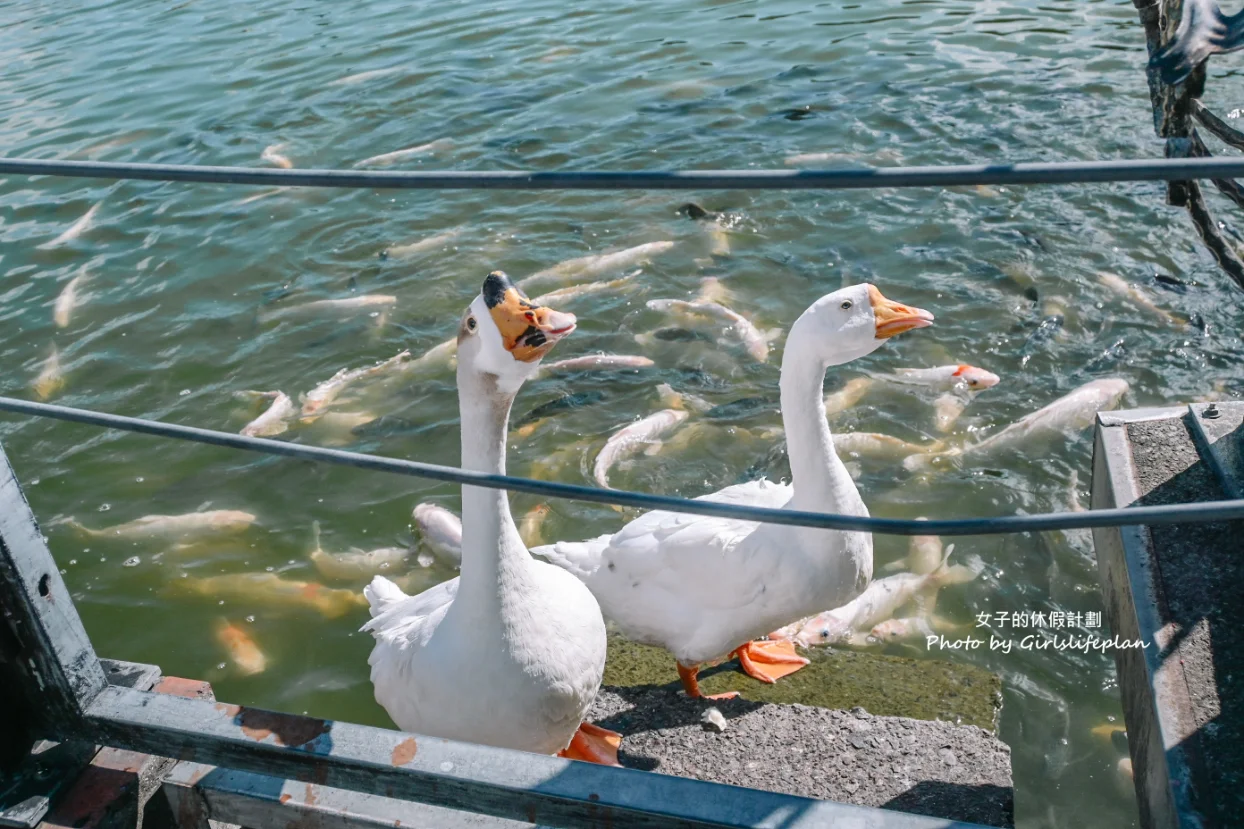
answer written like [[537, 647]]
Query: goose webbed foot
[[593, 744], [691, 684], [769, 661]]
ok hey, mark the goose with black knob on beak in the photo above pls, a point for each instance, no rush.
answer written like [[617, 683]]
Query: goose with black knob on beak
[[704, 587], [511, 653]]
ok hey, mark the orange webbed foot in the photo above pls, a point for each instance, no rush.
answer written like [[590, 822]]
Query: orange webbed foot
[[593, 744], [691, 684], [769, 661]]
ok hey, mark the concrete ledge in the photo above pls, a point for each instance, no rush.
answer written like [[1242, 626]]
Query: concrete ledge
[[1176, 588], [929, 768]]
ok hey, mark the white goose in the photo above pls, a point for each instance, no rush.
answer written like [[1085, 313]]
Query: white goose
[[510, 653], [705, 587]]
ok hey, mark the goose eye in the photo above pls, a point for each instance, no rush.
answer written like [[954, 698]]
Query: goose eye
[[470, 323], [846, 305]]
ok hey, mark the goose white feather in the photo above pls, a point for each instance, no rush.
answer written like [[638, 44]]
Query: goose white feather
[[512, 652], [704, 586]]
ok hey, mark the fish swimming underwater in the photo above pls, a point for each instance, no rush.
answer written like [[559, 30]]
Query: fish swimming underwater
[[318, 399], [242, 650], [596, 264], [67, 301], [368, 303], [642, 434], [753, 339], [275, 420], [75, 230], [441, 530], [355, 564], [173, 527], [1072, 412]]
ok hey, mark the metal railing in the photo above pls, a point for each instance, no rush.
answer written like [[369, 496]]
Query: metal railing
[[1131, 516]]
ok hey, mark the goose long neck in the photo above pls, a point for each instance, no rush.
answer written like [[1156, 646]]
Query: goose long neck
[[493, 554], [820, 478]]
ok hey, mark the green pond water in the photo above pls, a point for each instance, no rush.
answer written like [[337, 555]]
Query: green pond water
[[168, 325]]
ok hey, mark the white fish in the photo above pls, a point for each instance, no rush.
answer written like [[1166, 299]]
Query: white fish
[[671, 399], [712, 289], [271, 590], [878, 446], [945, 378], [75, 230], [1070, 413], [383, 159], [258, 196], [275, 420], [633, 437], [946, 411], [587, 289], [368, 302], [325, 393], [600, 362], [337, 428], [875, 605], [441, 531], [753, 340], [357, 565], [851, 393], [272, 155], [1124, 288], [820, 158], [598, 263], [52, 378], [360, 77], [441, 356], [173, 527], [924, 555], [67, 301], [914, 627], [423, 245]]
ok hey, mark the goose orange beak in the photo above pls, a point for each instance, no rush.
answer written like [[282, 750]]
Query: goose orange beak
[[894, 317], [528, 330]]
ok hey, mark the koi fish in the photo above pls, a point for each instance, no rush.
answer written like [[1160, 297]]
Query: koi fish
[[170, 527], [631, 438], [325, 393], [598, 362], [67, 301], [272, 155], [1126, 289], [529, 529], [753, 340], [597, 264], [356, 564], [374, 302], [52, 378], [847, 396], [423, 245], [75, 230], [271, 590], [1070, 413], [275, 420], [875, 605], [242, 650], [945, 378], [577, 291], [385, 159], [441, 531]]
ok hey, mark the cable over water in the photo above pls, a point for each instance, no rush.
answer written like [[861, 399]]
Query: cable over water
[[1066, 172], [1130, 516]]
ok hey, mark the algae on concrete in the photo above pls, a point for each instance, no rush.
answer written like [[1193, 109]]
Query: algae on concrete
[[890, 686]]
